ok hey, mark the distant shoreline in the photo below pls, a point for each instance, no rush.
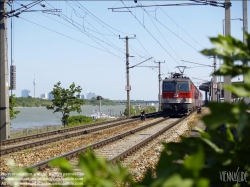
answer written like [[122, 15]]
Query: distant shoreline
[[45, 106]]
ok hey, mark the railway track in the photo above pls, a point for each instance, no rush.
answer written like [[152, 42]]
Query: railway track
[[6, 149], [147, 158], [66, 130], [133, 139], [52, 133], [74, 153], [148, 136], [122, 148], [37, 154]]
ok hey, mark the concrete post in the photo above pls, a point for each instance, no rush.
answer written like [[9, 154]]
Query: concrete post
[[227, 79], [4, 75]]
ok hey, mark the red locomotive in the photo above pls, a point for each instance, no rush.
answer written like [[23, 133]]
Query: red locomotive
[[179, 95]]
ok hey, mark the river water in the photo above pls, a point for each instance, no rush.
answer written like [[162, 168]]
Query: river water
[[40, 116]]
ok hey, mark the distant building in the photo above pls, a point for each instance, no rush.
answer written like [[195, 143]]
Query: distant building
[[90, 95], [82, 97], [44, 96], [25, 93], [50, 96]]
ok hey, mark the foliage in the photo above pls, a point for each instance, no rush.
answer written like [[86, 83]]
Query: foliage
[[136, 110], [131, 111], [66, 100], [31, 102], [12, 104], [146, 109], [97, 171], [225, 146], [79, 120], [20, 173]]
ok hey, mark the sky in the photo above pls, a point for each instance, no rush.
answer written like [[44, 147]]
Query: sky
[[81, 44]]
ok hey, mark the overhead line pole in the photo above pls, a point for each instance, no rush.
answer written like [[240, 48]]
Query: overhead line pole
[[245, 28], [4, 86], [245, 21], [214, 82], [227, 79], [128, 87], [4, 75], [159, 76]]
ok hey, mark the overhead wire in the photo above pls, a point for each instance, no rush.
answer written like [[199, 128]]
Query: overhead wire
[[72, 22], [101, 20], [130, 46], [65, 35], [80, 29], [181, 29], [174, 33], [99, 33], [98, 20], [28, 6], [142, 46], [75, 28], [151, 35], [179, 26], [162, 35]]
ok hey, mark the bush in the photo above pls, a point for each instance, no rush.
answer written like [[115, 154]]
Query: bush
[[79, 120]]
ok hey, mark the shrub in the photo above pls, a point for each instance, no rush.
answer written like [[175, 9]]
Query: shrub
[[79, 120]]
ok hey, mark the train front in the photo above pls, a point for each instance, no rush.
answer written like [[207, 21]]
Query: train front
[[177, 95]]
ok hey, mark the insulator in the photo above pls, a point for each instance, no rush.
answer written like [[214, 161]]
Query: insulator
[[13, 77]]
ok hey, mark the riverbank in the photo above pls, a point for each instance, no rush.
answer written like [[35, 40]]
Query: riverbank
[[38, 102], [36, 117], [15, 133]]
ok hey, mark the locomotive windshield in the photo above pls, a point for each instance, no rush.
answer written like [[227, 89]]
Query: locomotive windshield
[[169, 86], [182, 86]]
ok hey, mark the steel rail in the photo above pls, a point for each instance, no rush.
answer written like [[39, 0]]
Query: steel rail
[[40, 135], [4, 151], [134, 148], [34, 136], [74, 153]]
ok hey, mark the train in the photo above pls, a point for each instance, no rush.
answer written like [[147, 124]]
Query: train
[[179, 95]]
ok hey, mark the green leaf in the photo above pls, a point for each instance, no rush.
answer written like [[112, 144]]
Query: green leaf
[[241, 90], [224, 113], [195, 162], [63, 164], [202, 182], [212, 145], [177, 181]]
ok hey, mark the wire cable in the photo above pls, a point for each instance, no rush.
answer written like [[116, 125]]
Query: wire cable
[[179, 26], [64, 17], [162, 34], [70, 37], [152, 36], [101, 20]]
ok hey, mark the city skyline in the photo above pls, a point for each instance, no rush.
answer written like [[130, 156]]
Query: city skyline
[[25, 93]]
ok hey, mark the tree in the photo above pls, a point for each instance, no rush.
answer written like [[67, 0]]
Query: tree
[[12, 104], [66, 100], [131, 111]]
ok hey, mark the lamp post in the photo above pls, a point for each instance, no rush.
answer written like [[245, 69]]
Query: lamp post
[[100, 101]]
